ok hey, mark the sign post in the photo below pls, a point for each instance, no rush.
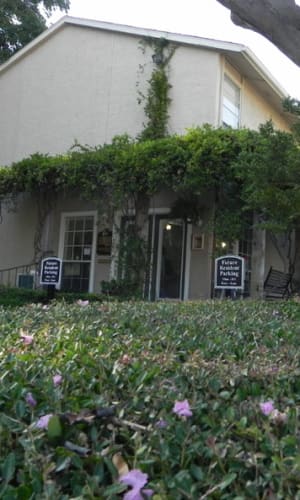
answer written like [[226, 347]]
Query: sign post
[[230, 272], [51, 275]]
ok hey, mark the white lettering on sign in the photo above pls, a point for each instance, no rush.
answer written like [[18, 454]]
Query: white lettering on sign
[[229, 272], [51, 271]]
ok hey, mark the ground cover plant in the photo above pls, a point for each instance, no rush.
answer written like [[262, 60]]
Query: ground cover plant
[[165, 400]]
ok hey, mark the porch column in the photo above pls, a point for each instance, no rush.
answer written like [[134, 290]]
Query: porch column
[[258, 261]]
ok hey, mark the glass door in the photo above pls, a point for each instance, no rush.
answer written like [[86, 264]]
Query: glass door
[[170, 259]]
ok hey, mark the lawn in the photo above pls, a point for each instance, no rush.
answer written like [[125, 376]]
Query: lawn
[[164, 400]]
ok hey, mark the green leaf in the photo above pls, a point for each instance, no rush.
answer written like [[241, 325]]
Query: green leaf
[[64, 464], [197, 472], [9, 467], [114, 489], [20, 409], [54, 427], [228, 480], [225, 395]]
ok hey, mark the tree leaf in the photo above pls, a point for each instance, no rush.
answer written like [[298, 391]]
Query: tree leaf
[[9, 467]]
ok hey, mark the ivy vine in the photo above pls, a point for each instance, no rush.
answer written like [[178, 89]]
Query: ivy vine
[[241, 170], [157, 99]]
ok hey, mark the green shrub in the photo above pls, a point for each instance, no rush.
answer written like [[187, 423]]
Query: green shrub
[[15, 297], [121, 288], [113, 375]]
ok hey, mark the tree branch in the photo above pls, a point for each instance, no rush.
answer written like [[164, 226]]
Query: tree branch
[[276, 20]]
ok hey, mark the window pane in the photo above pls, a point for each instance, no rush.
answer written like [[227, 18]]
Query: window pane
[[230, 118], [79, 224], [77, 253], [68, 253], [69, 238], [89, 223], [231, 103], [78, 240], [88, 238], [70, 224]]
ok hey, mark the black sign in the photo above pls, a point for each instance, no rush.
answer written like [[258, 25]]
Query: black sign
[[51, 271], [229, 272]]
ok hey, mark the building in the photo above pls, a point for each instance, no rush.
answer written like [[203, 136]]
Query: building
[[79, 82]]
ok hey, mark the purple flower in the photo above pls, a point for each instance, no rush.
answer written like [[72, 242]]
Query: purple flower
[[161, 424], [30, 400], [43, 421], [182, 408], [137, 480], [267, 407], [57, 380]]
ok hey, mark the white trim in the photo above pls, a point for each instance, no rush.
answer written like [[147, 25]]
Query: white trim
[[63, 217], [159, 211], [159, 259], [187, 262], [151, 264], [153, 33]]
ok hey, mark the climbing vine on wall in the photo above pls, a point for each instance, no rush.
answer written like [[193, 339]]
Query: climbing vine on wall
[[156, 99]]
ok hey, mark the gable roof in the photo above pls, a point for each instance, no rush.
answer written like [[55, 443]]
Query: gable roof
[[238, 55]]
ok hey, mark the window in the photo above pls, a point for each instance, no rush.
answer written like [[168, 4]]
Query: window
[[231, 103], [77, 239]]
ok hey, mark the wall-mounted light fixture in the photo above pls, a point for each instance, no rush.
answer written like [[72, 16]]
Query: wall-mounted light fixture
[[157, 59]]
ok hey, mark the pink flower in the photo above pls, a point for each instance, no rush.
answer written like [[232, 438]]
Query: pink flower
[[267, 407], [82, 303], [57, 380], [137, 480], [30, 400], [43, 421], [182, 408], [27, 339]]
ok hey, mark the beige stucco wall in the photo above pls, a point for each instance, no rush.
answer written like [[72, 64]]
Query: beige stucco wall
[[17, 230], [255, 109], [79, 85], [82, 85], [195, 77]]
